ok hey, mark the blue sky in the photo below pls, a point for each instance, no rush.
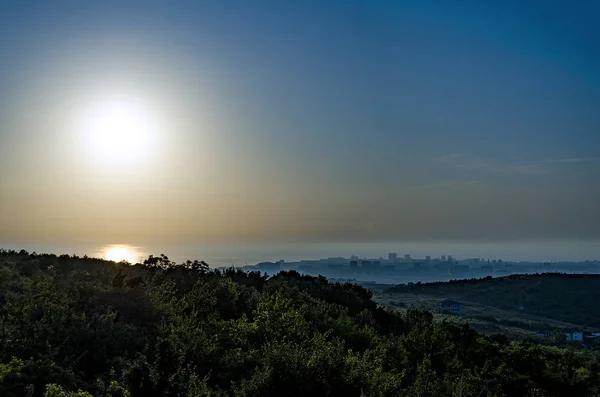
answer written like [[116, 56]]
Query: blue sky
[[327, 121]]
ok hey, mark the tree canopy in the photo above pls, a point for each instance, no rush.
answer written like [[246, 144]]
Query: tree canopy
[[75, 326]]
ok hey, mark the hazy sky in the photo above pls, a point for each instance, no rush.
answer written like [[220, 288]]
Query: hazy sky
[[302, 121]]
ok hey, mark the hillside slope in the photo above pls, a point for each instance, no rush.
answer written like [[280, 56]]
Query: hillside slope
[[76, 327], [567, 297]]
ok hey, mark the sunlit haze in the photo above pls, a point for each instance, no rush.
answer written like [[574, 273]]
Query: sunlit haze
[[395, 125]]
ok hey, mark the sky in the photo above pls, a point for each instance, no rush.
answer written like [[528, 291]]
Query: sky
[[299, 122]]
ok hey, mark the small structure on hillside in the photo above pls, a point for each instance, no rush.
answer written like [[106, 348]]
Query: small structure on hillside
[[573, 335], [451, 306]]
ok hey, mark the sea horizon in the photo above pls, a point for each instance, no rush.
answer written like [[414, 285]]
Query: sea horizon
[[250, 253]]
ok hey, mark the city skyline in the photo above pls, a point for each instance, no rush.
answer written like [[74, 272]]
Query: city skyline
[[238, 254]]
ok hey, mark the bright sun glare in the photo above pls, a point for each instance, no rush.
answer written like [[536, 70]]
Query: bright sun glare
[[119, 253], [118, 131]]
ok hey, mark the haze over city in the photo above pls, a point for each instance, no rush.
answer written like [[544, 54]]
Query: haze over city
[[266, 130]]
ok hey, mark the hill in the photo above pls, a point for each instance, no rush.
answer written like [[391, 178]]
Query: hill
[[80, 326], [567, 297]]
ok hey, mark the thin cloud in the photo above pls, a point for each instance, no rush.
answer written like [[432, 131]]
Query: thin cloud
[[452, 184], [530, 167], [459, 160], [463, 162], [561, 160]]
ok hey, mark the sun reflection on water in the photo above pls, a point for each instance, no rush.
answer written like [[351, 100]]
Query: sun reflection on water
[[122, 252]]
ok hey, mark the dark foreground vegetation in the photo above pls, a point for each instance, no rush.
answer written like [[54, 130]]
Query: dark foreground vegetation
[[78, 327], [568, 297]]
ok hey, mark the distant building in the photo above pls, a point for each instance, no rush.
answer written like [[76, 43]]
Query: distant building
[[336, 260], [428, 258], [573, 335], [353, 263], [443, 267], [305, 268], [443, 257], [407, 257], [354, 258], [488, 270], [376, 264], [450, 305], [460, 269], [392, 257], [450, 258], [366, 264]]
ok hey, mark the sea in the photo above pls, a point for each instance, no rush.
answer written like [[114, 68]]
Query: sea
[[250, 253]]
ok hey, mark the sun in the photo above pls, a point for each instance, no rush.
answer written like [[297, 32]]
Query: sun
[[118, 131]]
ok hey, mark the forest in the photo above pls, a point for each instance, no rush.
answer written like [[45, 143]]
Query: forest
[[567, 297], [78, 327]]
